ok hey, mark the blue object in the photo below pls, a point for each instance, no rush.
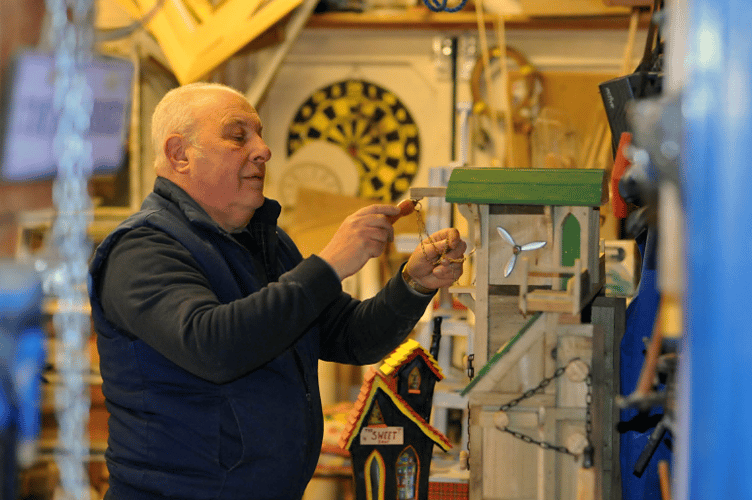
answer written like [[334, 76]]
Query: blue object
[[640, 319], [441, 5], [716, 439], [21, 360]]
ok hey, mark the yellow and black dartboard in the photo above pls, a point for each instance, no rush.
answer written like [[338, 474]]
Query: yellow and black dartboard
[[369, 123]]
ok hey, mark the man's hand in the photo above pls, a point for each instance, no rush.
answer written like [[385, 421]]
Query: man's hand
[[363, 235], [426, 265]]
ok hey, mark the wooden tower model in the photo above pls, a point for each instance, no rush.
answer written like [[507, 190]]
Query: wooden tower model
[[539, 318]]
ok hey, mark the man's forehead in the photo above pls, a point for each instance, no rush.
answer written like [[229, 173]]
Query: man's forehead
[[230, 109], [247, 119], [219, 100]]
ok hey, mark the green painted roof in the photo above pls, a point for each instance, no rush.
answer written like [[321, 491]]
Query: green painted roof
[[510, 186]]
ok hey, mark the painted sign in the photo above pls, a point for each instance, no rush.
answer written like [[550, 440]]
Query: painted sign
[[381, 435]]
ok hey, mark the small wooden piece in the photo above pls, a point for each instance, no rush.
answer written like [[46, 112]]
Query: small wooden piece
[[576, 443], [586, 484], [501, 420], [665, 479], [577, 371]]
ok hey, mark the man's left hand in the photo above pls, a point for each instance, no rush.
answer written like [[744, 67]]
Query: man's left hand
[[438, 261]]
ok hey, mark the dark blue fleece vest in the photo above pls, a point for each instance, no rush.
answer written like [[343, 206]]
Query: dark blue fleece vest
[[175, 435]]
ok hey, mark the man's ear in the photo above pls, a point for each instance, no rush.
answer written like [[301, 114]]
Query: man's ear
[[175, 151]]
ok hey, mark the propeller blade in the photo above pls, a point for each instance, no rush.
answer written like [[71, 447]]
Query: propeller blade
[[535, 245], [504, 234], [510, 265]]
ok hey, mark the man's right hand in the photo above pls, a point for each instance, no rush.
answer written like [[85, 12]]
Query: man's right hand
[[362, 236]]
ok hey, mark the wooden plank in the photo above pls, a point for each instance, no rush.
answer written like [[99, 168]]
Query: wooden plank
[[417, 193], [475, 457], [571, 393], [195, 42], [570, 8], [609, 314], [547, 305], [628, 3], [482, 309], [420, 18], [504, 360]]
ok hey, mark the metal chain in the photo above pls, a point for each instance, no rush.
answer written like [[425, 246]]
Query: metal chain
[[542, 444], [589, 407], [538, 389], [71, 35]]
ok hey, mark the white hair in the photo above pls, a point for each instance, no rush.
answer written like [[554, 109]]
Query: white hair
[[176, 114]]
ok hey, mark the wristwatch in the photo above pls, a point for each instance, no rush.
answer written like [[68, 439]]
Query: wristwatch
[[414, 284]]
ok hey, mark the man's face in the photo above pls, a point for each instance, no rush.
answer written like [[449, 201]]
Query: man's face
[[228, 160]]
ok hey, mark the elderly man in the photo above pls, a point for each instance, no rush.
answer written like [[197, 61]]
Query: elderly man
[[210, 323]]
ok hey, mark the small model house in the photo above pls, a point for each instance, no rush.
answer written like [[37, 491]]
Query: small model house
[[541, 229], [390, 442]]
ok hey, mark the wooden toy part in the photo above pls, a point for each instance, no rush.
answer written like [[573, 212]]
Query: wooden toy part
[[577, 371], [576, 443], [406, 208], [464, 457], [586, 484], [501, 420], [665, 479]]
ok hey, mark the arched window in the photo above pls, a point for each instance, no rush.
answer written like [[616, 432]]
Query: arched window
[[413, 381], [375, 476], [376, 418], [570, 244], [407, 474]]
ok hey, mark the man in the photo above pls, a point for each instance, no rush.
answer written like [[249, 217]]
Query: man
[[210, 323]]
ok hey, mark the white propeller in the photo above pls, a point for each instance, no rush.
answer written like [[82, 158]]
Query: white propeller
[[516, 249]]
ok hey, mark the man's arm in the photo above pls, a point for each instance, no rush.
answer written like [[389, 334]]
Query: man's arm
[[153, 289], [363, 332], [359, 333]]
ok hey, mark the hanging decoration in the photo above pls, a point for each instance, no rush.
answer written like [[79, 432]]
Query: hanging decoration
[[64, 274]]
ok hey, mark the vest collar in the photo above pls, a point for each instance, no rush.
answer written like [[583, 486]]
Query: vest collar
[[267, 214]]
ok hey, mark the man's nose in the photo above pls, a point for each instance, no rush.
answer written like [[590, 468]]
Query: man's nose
[[261, 153]]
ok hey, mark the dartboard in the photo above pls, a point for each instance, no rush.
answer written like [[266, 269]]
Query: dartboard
[[372, 125]]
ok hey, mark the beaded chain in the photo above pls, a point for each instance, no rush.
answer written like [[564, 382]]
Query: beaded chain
[[423, 235]]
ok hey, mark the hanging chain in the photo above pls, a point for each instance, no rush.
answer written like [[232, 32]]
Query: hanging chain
[[537, 390], [422, 231], [423, 236], [589, 451], [71, 36]]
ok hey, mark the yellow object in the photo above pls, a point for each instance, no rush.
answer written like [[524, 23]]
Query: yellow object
[[405, 350], [671, 315], [196, 36]]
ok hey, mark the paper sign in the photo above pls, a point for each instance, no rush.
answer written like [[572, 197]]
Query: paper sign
[[381, 435]]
